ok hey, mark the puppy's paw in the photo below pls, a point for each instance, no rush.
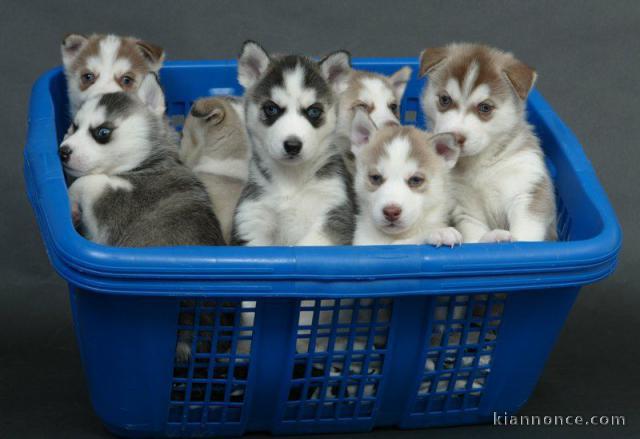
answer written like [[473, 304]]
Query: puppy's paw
[[497, 235], [448, 236]]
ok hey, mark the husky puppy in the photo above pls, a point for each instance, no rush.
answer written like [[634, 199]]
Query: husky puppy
[[298, 192], [215, 146], [501, 184], [402, 184], [100, 64], [131, 190], [378, 95]]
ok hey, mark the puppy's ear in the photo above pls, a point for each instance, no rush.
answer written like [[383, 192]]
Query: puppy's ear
[[71, 46], [336, 68], [446, 146], [362, 130], [252, 63], [153, 54], [521, 77], [151, 94], [430, 58], [210, 110], [399, 80]]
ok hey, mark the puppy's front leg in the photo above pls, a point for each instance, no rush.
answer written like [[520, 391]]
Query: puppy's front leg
[[82, 195], [255, 224], [471, 228], [315, 236], [525, 225]]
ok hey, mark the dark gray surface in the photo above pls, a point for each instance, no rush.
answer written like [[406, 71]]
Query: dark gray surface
[[586, 54]]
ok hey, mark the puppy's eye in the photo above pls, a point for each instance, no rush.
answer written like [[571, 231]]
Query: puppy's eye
[[376, 179], [415, 181], [271, 109], [314, 112], [393, 107], [485, 108], [362, 106], [88, 78], [102, 134], [127, 81], [444, 100]]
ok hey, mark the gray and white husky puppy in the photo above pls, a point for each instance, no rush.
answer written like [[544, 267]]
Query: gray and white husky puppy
[[130, 188], [298, 192]]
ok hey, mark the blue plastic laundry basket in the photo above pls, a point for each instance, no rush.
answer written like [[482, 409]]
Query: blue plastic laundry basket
[[434, 336]]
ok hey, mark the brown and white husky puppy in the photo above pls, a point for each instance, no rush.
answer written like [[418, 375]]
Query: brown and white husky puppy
[[402, 185], [100, 64], [501, 185]]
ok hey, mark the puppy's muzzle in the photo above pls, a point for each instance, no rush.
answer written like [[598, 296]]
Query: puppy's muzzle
[[65, 153], [292, 146], [392, 212]]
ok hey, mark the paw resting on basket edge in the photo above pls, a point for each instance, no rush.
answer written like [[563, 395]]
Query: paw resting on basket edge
[[448, 236], [497, 235]]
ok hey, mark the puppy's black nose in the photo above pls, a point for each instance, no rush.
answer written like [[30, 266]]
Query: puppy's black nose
[[64, 152], [293, 146]]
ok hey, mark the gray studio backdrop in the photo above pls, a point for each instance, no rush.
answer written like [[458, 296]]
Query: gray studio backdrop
[[586, 53]]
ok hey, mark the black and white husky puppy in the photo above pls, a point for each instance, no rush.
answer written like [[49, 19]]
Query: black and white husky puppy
[[130, 188], [298, 191]]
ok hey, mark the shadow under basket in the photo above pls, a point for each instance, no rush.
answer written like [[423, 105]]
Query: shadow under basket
[[220, 341]]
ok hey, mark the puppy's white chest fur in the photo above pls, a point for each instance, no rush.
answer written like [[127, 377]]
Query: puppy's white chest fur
[[298, 209], [488, 190]]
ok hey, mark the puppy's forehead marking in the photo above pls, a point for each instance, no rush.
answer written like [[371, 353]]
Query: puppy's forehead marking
[[453, 88], [117, 105], [375, 88], [91, 114], [294, 90], [302, 66], [472, 66], [470, 79], [471, 91], [480, 93], [398, 161], [106, 55]]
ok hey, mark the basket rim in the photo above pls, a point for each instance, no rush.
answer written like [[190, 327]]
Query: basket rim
[[158, 271]]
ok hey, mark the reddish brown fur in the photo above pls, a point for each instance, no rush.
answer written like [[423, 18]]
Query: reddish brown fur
[[499, 70], [142, 55]]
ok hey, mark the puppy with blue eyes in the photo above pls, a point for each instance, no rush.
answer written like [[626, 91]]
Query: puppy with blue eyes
[[298, 191], [402, 184], [130, 188]]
